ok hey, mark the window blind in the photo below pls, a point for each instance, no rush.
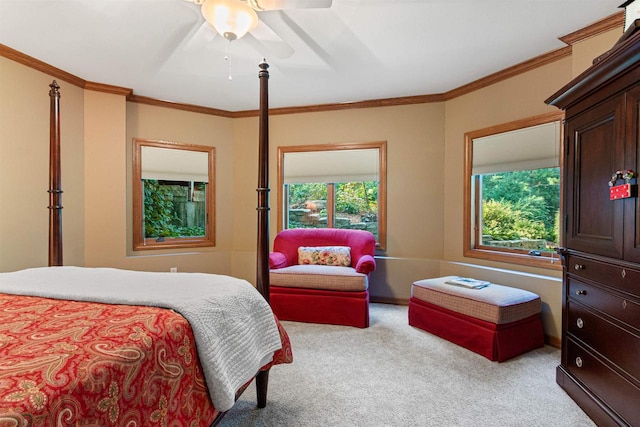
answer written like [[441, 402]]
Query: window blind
[[535, 147], [332, 166], [174, 165]]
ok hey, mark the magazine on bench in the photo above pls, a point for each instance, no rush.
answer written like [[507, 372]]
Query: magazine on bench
[[468, 282]]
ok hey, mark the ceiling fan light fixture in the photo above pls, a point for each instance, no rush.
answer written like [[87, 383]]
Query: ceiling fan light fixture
[[231, 18]]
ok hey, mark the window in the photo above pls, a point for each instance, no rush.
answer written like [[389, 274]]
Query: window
[[512, 192], [333, 186], [173, 195]]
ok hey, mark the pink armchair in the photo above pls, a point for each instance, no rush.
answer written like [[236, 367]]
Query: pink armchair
[[319, 293]]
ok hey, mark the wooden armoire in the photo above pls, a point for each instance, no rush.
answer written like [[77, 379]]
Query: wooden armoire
[[600, 364]]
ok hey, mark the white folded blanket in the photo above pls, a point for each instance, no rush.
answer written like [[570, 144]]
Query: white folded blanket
[[234, 327]]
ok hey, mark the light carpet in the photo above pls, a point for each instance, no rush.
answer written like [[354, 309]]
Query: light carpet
[[392, 374]]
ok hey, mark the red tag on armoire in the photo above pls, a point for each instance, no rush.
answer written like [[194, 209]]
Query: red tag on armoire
[[620, 192]]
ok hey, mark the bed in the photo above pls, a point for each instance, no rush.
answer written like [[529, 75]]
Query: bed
[[109, 347]]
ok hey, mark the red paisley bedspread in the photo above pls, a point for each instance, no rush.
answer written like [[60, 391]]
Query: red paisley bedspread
[[67, 363]]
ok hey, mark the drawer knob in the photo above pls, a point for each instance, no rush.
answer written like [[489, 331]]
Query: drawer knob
[[579, 267], [579, 362], [580, 323], [581, 292]]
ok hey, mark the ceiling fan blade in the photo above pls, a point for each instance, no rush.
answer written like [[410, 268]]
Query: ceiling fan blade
[[202, 35], [176, 37], [267, 42], [289, 4]]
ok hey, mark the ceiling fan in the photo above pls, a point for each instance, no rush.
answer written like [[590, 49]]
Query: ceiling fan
[[234, 18]]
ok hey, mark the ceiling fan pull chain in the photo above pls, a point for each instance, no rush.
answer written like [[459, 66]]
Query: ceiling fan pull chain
[[228, 58]]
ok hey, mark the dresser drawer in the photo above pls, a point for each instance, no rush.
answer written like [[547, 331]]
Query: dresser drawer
[[624, 279], [618, 393], [616, 344], [624, 309]]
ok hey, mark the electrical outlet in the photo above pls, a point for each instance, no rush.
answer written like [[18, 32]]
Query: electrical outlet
[[173, 270]]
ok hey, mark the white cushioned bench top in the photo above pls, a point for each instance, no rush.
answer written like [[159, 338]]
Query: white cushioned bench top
[[495, 303], [330, 278]]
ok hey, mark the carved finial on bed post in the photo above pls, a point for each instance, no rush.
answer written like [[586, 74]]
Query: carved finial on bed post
[[262, 273], [55, 190]]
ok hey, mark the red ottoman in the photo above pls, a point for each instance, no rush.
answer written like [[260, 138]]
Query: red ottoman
[[497, 322]]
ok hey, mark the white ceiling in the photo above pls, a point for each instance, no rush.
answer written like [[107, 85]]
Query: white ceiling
[[356, 50]]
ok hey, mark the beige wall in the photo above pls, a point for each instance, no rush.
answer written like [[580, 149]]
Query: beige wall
[[425, 160], [104, 161], [585, 52]]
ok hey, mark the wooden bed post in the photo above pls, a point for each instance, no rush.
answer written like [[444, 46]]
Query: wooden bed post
[[55, 190], [262, 379], [262, 279]]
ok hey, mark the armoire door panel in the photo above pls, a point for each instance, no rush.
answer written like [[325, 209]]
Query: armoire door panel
[[594, 222]]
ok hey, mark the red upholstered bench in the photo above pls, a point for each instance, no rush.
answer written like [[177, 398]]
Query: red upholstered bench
[[497, 322]]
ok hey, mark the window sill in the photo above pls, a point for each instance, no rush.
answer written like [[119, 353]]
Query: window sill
[[550, 263], [172, 243]]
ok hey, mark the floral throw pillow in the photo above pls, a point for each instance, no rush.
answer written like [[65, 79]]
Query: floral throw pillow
[[324, 255]]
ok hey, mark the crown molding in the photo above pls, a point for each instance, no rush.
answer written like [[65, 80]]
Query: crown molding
[[180, 106], [38, 65], [512, 71], [609, 23], [373, 103], [101, 87]]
